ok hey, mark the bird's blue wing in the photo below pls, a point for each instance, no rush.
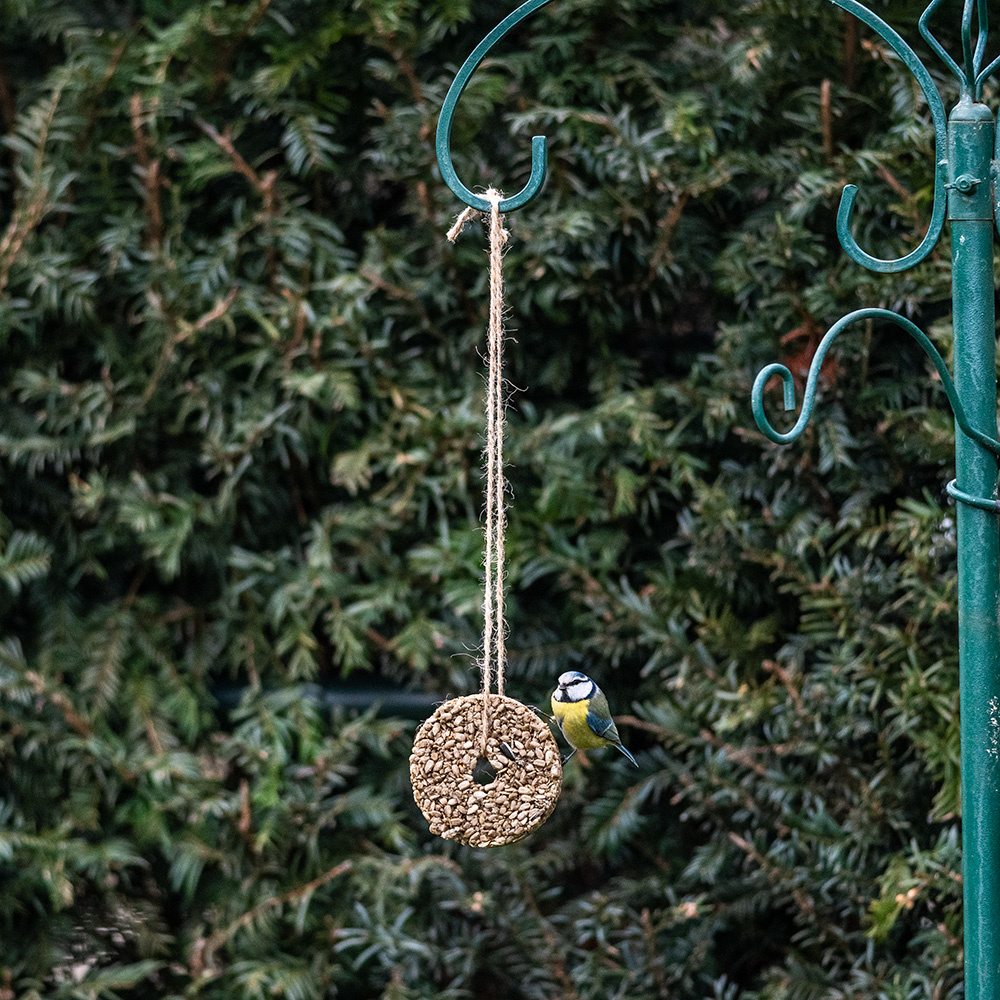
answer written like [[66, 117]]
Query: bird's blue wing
[[604, 726], [601, 726]]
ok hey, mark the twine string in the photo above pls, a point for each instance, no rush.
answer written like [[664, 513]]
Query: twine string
[[494, 624], [466, 215]]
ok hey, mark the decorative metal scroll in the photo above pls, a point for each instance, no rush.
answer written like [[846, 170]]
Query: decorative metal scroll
[[971, 75], [966, 157], [809, 397]]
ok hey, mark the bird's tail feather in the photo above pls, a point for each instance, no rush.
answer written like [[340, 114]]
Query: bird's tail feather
[[627, 754]]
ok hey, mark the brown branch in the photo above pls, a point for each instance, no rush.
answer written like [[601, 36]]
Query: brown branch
[[26, 217], [775, 874], [409, 70], [850, 49], [906, 194], [8, 102], [826, 119], [180, 331], [392, 290], [296, 470], [133, 591], [424, 200], [649, 727], [895, 183], [93, 102], [653, 957], [23, 222], [379, 640], [297, 302], [224, 62], [204, 949], [398, 292], [263, 184], [57, 698], [735, 754], [245, 820], [153, 736], [149, 173], [663, 254], [217, 311], [316, 347], [773, 667]]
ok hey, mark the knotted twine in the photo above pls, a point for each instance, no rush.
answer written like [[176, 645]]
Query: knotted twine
[[445, 759]]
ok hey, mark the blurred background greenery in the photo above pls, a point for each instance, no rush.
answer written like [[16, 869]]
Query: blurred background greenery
[[241, 537]]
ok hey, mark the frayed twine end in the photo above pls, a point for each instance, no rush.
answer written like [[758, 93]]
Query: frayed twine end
[[464, 217]]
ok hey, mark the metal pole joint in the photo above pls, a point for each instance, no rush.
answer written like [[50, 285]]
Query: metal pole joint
[[971, 128]]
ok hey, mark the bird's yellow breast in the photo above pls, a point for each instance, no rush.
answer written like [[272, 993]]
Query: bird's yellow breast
[[572, 718]]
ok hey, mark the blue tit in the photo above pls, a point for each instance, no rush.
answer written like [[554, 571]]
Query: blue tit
[[583, 714]]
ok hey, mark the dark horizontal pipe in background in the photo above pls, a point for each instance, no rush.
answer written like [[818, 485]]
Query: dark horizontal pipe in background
[[389, 701]]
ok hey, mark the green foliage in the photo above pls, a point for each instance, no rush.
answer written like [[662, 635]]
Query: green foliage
[[241, 431]]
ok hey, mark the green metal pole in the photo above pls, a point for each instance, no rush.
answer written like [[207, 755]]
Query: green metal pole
[[970, 210]]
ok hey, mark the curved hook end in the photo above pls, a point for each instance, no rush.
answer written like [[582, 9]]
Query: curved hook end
[[443, 140], [757, 402], [984, 440], [847, 198], [847, 240], [539, 166], [854, 251]]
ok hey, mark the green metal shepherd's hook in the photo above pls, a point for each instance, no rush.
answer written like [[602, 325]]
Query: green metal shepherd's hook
[[443, 140], [965, 172]]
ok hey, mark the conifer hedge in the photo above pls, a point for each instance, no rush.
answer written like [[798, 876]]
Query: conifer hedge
[[240, 430]]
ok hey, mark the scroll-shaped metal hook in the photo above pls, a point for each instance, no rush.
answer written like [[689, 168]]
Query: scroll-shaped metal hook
[[936, 106], [443, 141], [809, 398]]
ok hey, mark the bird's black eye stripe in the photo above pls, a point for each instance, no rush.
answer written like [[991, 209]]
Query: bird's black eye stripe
[[580, 689]]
